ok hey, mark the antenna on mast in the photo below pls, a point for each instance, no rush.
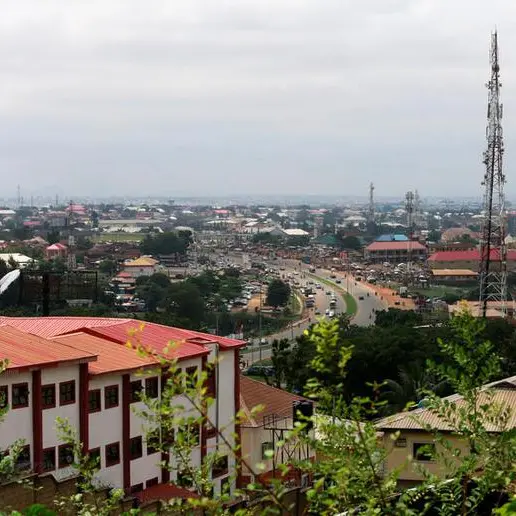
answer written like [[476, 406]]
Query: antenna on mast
[[493, 251]]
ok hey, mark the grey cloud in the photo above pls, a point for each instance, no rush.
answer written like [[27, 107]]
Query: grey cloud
[[248, 96]]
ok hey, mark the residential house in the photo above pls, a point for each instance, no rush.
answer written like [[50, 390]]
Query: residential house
[[143, 266], [261, 432], [409, 443], [395, 251]]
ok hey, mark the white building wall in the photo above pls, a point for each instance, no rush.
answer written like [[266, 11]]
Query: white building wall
[[17, 423], [105, 427]]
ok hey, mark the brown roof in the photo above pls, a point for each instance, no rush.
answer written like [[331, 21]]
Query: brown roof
[[276, 402], [501, 393]]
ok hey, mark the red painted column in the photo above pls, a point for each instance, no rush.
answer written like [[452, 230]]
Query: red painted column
[[84, 429], [37, 422], [126, 431], [238, 453]]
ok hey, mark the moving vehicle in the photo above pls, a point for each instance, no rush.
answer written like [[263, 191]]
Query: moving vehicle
[[360, 298]]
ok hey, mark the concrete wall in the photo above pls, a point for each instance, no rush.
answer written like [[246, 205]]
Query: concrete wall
[[399, 457]]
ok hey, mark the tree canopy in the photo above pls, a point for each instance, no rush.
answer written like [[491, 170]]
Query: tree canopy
[[278, 293], [166, 243]]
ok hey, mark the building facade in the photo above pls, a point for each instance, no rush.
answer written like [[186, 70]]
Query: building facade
[[81, 369]]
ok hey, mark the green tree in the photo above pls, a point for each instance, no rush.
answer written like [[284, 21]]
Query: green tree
[[351, 243], [185, 301], [165, 244], [278, 293], [108, 267]]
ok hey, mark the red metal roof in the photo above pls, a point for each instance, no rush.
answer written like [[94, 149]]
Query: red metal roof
[[156, 338], [472, 255], [155, 335], [164, 492], [395, 246], [111, 356], [25, 350]]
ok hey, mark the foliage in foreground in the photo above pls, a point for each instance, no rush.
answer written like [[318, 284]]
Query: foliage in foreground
[[350, 477]]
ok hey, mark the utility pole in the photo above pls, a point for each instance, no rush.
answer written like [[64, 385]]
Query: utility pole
[[493, 251]]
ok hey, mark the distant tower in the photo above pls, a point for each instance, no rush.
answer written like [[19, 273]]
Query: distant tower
[[493, 252], [19, 196], [72, 261], [370, 211], [409, 208]]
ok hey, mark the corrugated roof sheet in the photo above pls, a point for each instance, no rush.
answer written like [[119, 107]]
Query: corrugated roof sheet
[[472, 255], [502, 393], [143, 261], [111, 356], [52, 326], [395, 246], [276, 401], [26, 350]]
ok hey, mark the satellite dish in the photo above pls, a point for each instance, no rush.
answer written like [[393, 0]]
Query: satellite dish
[[9, 278]]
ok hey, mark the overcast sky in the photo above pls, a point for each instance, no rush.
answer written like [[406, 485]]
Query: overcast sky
[[202, 97]]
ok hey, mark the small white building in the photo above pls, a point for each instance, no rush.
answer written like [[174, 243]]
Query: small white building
[[143, 266]]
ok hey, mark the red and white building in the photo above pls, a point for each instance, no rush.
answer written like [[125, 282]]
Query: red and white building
[[80, 368], [395, 251]]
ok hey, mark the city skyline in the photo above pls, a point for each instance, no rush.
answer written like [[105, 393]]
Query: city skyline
[[288, 99]]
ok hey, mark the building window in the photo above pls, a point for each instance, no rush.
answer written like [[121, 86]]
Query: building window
[[111, 396], [94, 401], [48, 396], [211, 431], [151, 387], [225, 485], [66, 457], [220, 467], [184, 479], [20, 395], [67, 393], [95, 458], [112, 454], [136, 389], [211, 383], [136, 447], [266, 447], [23, 459], [423, 452], [152, 482], [4, 396], [191, 375], [138, 488], [153, 442], [49, 459]]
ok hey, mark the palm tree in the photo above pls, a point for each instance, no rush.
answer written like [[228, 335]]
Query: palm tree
[[413, 381]]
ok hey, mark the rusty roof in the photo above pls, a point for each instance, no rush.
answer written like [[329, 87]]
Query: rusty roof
[[501, 393], [24, 350], [276, 402], [111, 356]]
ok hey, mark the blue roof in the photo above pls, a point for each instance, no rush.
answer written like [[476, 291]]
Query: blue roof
[[392, 238]]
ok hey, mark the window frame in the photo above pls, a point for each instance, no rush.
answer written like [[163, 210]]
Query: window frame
[[46, 450], [20, 405], [96, 451], [153, 380], [63, 385], [60, 448], [192, 375], [109, 462], [266, 446], [4, 397], [223, 470], [211, 382], [45, 405], [22, 467], [137, 488], [108, 405], [423, 456], [134, 392], [154, 481], [138, 439], [152, 442], [98, 396]]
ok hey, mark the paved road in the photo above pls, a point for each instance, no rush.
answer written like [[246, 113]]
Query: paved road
[[322, 303]]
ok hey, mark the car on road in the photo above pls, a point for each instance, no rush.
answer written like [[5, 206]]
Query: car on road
[[338, 281], [328, 292], [360, 298], [317, 312], [259, 370]]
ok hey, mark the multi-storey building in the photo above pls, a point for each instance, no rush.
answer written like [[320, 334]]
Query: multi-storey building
[[81, 369]]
